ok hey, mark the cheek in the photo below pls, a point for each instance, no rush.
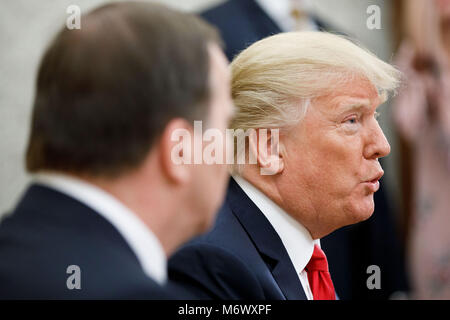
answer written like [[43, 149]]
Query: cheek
[[327, 166], [345, 159], [334, 163]]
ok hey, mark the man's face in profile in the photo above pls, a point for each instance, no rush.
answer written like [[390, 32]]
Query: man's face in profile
[[331, 158], [211, 179]]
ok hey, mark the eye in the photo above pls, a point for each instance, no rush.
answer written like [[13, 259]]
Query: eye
[[351, 120]]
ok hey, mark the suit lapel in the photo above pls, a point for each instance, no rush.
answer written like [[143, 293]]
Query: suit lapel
[[267, 242]]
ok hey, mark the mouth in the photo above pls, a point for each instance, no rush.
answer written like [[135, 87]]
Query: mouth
[[374, 183], [376, 177]]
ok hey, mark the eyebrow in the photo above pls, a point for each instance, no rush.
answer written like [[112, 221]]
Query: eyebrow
[[353, 104]]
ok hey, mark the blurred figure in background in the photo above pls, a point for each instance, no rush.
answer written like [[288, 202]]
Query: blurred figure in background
[[107, 204], [243, 22], [422, 114], [350, 250]]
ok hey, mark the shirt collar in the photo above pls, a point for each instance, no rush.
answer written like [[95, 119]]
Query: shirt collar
[[139, 237], [295, 237]]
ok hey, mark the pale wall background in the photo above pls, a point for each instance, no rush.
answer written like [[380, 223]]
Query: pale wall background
[[26, 27]]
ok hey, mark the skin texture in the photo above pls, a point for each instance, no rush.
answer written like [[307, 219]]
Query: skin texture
[[326, 161]]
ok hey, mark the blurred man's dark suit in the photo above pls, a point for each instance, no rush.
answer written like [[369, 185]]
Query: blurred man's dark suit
[[49, 231], [352, 249]]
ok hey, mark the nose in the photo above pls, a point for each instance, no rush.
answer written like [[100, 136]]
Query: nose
[[377, 145]]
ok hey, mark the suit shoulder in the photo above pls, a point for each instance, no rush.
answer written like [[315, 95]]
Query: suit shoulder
[[227, 234], [211, 271], [38, 244]]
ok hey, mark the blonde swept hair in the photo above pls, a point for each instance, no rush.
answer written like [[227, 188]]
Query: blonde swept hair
[[274, 79]]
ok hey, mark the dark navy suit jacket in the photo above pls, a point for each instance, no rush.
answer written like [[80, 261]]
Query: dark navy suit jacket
[[242, 257], [47, 232], [242, 22], [350, 250]]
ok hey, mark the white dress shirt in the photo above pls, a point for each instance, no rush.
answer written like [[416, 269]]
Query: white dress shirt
[[280, 12], [139, 237], [296, 238]]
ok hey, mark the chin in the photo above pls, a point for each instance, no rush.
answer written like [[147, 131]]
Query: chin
[[204, 224], [361, 210], [366, 208], [208, 219]]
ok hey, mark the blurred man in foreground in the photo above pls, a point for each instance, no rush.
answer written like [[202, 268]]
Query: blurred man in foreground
[[317, 168], [108, 204]]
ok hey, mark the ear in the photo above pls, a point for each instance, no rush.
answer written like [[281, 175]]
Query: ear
[[175, 151], [265, 144]]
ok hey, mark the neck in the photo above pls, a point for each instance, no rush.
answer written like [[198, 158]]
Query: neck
[[263, 183], [302, 210]]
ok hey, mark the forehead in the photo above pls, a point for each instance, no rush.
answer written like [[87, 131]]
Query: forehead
[[358, 91]]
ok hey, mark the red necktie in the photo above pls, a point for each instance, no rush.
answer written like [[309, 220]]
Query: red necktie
[[319, 277]]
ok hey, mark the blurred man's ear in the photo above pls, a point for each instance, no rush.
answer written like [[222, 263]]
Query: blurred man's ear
[[175, 151], [265, 144]]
